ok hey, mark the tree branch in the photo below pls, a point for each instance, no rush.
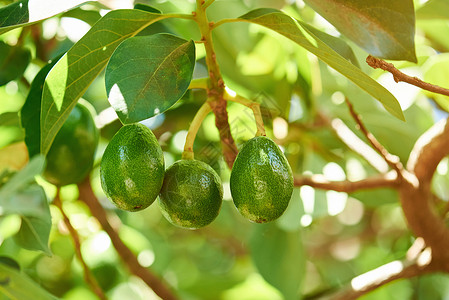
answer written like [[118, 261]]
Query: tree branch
[[388, 180], [128, 258], [378, 277], [88, 277], [399, 76], [415, 192], [392, 160]]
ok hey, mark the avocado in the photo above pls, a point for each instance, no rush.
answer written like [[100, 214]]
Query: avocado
[[132, 168], [261, 180], [191, 195], [72, 153]]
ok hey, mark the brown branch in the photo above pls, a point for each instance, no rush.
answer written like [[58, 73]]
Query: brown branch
[[376, 278], [399, 76], [415, 192], [228, 145], [392, 160], [388, 180], [88, 277], [127, 256]]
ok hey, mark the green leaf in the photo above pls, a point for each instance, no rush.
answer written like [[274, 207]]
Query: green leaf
[[384, 28], [147, 8], [9, 119], [73, 73], [89, 16], [337, 44], [31, 111], [279, 257], [22, 179], [300, 34], [13, 62], [434, 9], [146, 75], [18, 286], [26, 12]]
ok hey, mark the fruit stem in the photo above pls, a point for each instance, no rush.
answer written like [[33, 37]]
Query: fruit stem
[[199, 83], [255, 107], [193, 130]]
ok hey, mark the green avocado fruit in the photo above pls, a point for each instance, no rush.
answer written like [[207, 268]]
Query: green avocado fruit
[[132, 168], [191, 195], [72, 153], [261, 181]]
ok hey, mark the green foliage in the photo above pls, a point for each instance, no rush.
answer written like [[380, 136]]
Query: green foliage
[[156, 76], [72, 153], [298, 33], [18, 286], [72, 74], [191, 195], [285, 57], [132, 168], [374, 25], [261, 181], [279, 257], [13, 62]]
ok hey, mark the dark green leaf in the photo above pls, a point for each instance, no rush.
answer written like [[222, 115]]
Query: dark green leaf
[[31, 111], [13, 62], [300, 34], [34, 233], [434, 9], [8, 261], [279, 257], [147, 8], [73, 73], [384, 28], [25, 12], [148, 74], [18, 286]]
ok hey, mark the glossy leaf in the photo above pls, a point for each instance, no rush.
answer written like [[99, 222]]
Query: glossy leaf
[[73, 73], [383, 28], [434, 9], [18, 286], [299, 33], [13, 62], [279, 257], [148, 74], [31, 111], [26, 12]]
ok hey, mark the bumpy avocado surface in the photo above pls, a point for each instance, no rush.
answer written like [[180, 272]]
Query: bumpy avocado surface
[[261, 181], [72, 153], [132, 168], [191, 195]]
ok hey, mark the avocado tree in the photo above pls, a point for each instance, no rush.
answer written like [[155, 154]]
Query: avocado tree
[[224, 149]]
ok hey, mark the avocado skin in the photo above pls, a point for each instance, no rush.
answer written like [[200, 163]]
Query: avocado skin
[[72, 152], [191, 195], [132, 168], [261, 181]]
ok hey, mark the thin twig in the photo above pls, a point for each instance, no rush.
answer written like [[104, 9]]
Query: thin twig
[[399, 76], [376, 278], [388, 180], [127, 256], [392, 160], [88, 277]]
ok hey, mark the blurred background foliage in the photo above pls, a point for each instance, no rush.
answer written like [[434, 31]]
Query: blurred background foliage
[[323, 240]]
